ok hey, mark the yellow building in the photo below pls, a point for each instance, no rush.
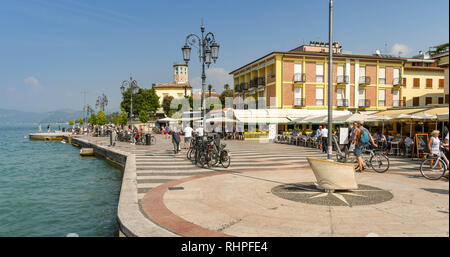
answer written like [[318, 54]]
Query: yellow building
[[424, 82], [178, 88]]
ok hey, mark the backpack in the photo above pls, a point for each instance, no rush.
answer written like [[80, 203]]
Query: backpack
[[364, 137]]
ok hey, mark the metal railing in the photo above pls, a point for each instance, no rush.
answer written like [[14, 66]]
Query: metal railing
[[237, 88], [363, 102], [381, 102], [397, 103], [299, 77], [253, 83], [342, 102], [261, 81], [398, 82], [299, 101], [382, 81], [364, 80], [342, 79], [319, 101], [319, 78]]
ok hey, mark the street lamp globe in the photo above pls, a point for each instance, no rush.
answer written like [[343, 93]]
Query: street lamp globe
[[186, 53], [215, 51], [208, 57], [122, 88]]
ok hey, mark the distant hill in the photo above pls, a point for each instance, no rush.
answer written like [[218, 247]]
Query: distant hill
[[17, 117]]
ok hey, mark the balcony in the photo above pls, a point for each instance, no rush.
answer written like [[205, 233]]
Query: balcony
[[398, 82], [342, 102], [237, 88], [245, 86], [299, 77], [363, 103], [298, 102], [342, 79], [319, 101], [382, 81], [319, 78], [271, 78], [253, 83], [364, 80], [381, 102], [261, 81], [397, 103]]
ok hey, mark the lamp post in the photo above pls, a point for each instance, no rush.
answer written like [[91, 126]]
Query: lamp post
[[330, 84], [207, 49], [132, 84]]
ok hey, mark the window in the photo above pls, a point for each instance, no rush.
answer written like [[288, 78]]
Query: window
[[404, 82], [381, 97], [382, 76], [441, 83], [397, 78], [415, 101], [396, 98], [428, 100], [416, 82], [362, 75], [429, 83], [362, 97], [340, 97], [319, 72], [298, 96], [319, 96], [440, 100], [298, 72], [340, 75]]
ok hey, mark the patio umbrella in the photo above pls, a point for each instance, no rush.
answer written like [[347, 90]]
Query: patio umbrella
[[382, 118], [424, 116], [349, 118]]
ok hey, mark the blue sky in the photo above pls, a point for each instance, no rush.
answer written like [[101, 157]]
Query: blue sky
[[50, 50]]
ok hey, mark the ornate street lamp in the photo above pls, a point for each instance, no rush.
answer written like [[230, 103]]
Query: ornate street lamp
[[132, 84], [208, 51]]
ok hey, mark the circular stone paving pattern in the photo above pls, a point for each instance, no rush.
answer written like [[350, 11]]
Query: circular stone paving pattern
[[307, 192]]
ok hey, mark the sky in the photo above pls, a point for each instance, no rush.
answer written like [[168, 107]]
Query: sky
[[51, 50]]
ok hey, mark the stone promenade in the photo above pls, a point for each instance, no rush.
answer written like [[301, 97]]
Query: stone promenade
[[268, 191]]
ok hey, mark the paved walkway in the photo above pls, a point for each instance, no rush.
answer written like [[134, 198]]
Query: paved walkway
[[190, 201]]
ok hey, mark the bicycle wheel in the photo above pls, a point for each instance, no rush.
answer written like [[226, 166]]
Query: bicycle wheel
[[189, 154], [379, 162], [225, 159], [214, 158], [432, 169], [152, 140]]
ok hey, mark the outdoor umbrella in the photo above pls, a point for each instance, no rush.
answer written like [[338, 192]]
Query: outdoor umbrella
[[424, 116], [382, 118]]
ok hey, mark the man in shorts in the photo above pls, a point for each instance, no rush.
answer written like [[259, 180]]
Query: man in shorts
[[319, 137], [187, 136], [361, 139]]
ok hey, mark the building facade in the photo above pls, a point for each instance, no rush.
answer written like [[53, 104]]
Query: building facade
[[178, 88], [299, 79], [424, 82]]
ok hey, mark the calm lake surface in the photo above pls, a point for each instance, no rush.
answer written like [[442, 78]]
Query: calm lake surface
[[48, 189]]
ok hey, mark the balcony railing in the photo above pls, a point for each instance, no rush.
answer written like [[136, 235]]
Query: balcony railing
[[342, 79], [238, 88], [261, 81], [382, 81], [319, 101], [245, 85], [342, 102], [363, 102], [396, 103], [381, 102], [254, 83], [319, 78], [398, 82], [299, 77], [364, 80], [299, 101]]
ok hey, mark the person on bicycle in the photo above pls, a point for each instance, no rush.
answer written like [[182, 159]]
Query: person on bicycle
[[361, 139], [434, 145]]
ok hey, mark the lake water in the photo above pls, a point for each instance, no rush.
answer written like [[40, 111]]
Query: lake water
[[48, 189]]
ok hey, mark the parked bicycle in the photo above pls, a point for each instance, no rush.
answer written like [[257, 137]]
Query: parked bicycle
[[434, 166]]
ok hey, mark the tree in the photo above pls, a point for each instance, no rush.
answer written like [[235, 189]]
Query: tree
[[115, 120], [143, 116], [71, 122], [166, 104], [123, 118], [101, 118], [80, 121], [209, 89], [225, 94], [226, 86], [144, 100], [93, 119]]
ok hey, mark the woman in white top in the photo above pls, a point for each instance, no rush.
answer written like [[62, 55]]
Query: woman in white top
[[434, 143]]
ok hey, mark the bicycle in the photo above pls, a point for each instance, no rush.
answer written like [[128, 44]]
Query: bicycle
[[434, 166], [219, 154], [376, 159]]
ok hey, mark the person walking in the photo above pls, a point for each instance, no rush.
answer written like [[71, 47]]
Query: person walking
[[362, 138], [175, 140], [166, 131], [319, 137], [187, 136], [324, 139], [351, 145]]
